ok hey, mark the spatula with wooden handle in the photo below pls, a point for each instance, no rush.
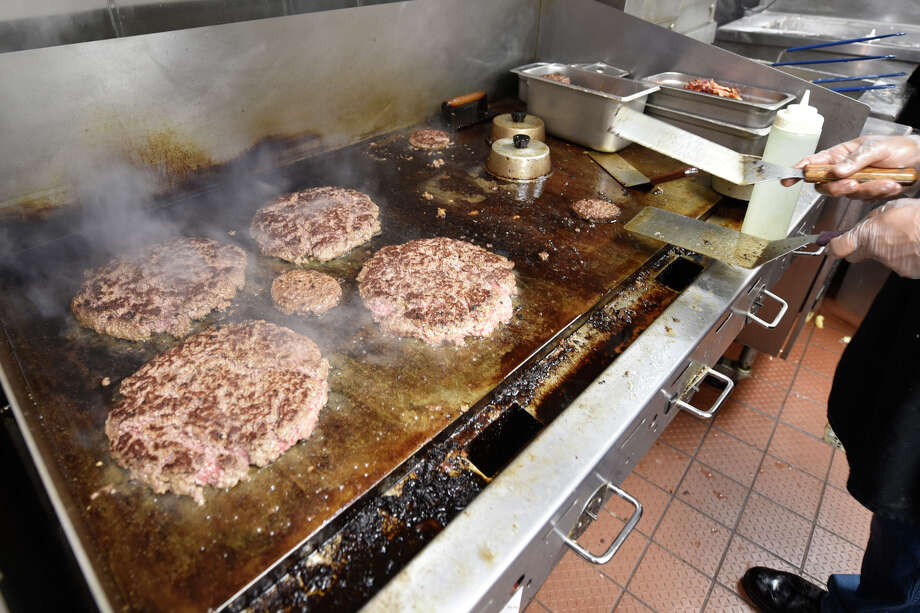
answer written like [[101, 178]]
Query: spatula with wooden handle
[[726, 163], [757, 170], [718, 242]]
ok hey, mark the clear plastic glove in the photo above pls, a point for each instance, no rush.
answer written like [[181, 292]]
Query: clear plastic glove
[[890, 234], [854, 155]]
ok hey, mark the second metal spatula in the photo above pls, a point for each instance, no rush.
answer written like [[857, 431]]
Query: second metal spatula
[[723, 244]]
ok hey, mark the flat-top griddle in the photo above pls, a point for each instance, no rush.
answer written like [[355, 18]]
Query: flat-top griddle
[[388, 396]]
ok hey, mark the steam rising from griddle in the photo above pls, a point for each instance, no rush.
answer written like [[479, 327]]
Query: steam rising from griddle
[[121, 207]]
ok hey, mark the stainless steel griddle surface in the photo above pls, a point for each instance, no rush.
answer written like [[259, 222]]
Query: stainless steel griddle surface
[[388, 396]]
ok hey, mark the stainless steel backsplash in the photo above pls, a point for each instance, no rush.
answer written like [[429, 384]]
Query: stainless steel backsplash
[[28, 25]]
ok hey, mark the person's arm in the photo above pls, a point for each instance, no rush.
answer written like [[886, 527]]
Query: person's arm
[[891, 233], [854, 155]]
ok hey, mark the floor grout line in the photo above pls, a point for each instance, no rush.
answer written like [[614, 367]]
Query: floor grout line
[[814, 524], [767, 449], [818, 372], [667, 506], [751, 487], [754, 447], [747, 498], [619, 599], [693, 458], [651, 608]]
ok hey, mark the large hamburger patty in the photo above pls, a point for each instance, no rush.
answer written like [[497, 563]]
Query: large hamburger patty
[[226, 398], [319, 223], [438, 289], [160, 289]]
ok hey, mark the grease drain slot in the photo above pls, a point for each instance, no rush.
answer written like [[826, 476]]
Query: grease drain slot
[[679, 274], [502, 440]]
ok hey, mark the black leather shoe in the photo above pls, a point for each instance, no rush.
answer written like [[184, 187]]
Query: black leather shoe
[[775, 591]]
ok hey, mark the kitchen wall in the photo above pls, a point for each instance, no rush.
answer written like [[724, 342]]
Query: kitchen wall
[[179, 101], [28, 24], [694, 18], [891, 11]]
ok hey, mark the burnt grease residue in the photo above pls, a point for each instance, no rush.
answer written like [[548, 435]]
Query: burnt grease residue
[[378, 541], [620, 327]]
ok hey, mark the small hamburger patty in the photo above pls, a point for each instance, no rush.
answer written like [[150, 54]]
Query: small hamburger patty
[[160, 289], [319, 223], [438, 289], [226, 398], [558, 77], [595, 209], [305, 291], [430, 139]]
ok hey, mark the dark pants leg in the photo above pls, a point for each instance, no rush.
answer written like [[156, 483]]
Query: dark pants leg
[[890, 576]]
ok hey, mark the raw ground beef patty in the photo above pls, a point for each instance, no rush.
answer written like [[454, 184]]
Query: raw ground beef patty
[[438, 289], [202, 412], [305, 291], [430, 139], [160, 289], [595, 209], [319, 223]]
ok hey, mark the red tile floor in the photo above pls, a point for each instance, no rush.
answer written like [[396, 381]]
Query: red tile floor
[[758, 485]]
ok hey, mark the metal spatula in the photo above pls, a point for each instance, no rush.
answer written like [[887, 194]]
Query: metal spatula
[[723, 244], [727, 164], [628, 176]]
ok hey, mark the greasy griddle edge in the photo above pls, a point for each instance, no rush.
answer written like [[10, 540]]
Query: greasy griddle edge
[[143, 542]]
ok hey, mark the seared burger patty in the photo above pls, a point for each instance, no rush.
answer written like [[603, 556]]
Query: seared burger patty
[[320, 223], [226, 398], [438, 289], [305, 291], [595, 209], [160, 289], [430, 139]]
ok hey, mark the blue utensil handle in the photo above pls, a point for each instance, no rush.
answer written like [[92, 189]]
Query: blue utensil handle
[[862, 88], [836, 60], [827, 236], [843, 42], [867, 77]]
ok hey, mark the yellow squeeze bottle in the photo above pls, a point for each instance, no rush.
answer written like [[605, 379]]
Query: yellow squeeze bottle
[[794, 135]]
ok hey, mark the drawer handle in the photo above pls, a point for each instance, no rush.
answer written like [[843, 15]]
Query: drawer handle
[[709, 413], [621, 537], [784, 306], [819, 251]]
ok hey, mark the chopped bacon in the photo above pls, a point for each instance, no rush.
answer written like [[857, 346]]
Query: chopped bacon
[[709, 86], [558, 77]]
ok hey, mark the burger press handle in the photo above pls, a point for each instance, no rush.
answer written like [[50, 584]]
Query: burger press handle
[[521, 141], [711, 411], [620, 538], [464, 111]]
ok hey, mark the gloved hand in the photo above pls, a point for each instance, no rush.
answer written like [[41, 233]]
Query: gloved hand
[[854, 155], [889, 234]]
